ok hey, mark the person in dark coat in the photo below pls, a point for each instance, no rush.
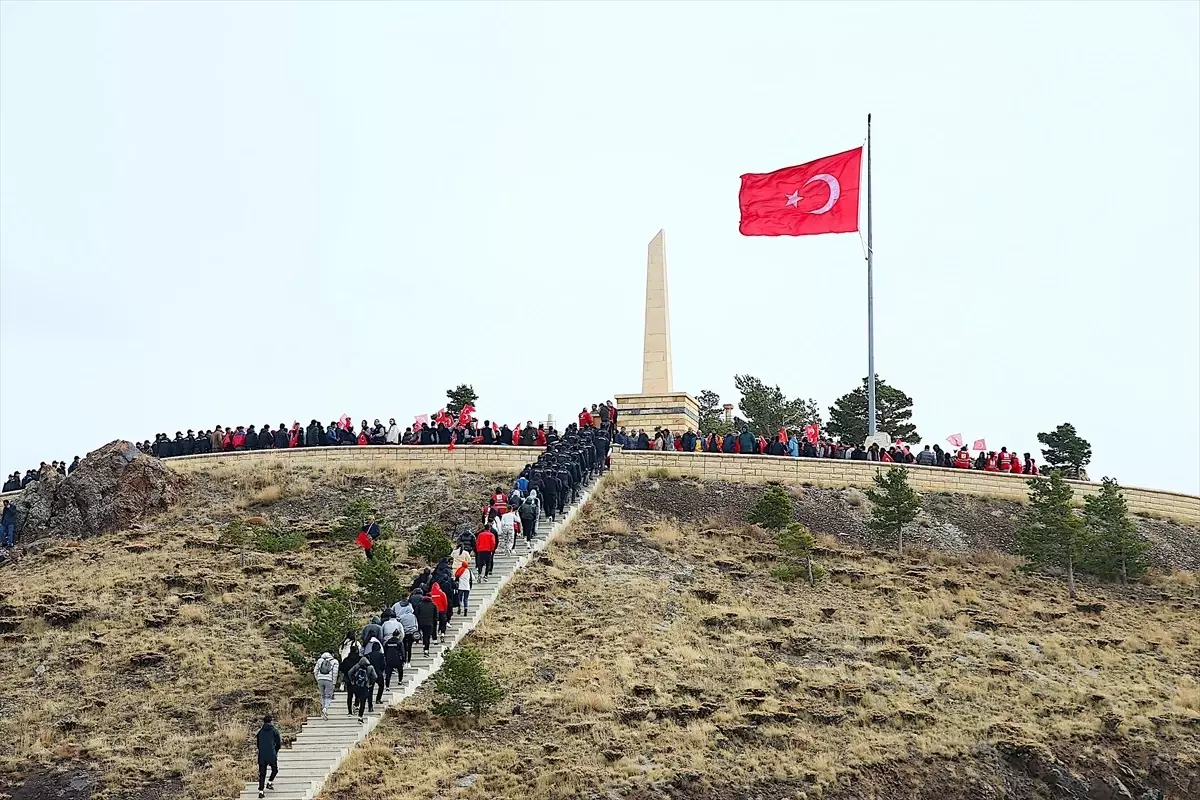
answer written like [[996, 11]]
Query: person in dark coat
[[746, 442], [268, 754], [343, 678], [427, 621], [393, 658], [379, 664], [251, 438], [374, 630], [281, 437]]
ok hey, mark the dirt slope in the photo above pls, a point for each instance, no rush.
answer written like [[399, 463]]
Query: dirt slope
[[137, 664], [649, 656]]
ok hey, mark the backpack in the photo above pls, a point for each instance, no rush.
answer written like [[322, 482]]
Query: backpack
[[359, 679], [325, 667]]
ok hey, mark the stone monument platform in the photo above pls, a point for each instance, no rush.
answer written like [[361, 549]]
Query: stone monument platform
[[657, 406]]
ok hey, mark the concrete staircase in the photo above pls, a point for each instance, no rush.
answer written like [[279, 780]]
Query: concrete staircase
[[323, 744]]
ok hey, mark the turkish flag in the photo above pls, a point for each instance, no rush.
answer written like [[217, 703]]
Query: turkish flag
[[956, 440], [812, 433], [818, 197], [979, 444]]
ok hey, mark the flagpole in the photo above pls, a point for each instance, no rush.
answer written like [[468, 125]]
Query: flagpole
[[870, 299]]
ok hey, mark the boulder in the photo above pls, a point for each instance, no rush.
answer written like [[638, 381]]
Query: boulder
[[112, 488]]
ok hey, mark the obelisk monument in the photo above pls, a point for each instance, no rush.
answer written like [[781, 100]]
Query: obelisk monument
[[658, 406]]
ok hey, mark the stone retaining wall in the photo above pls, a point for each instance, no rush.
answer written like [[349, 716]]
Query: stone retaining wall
[[710, 466], [838, 472]]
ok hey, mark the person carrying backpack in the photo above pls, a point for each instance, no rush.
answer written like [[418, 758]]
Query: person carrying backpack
[[325, 672], [529, 512], [393, 658], [379, 664], [268, 754], [362, 678]]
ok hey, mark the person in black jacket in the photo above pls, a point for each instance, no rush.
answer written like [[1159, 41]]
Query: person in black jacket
[[379, 664], [268, 753], [443, 434], [427, 621], [343, 678], [393, 657], [429, 435], [266, 438], [251, 438], [281, 437]]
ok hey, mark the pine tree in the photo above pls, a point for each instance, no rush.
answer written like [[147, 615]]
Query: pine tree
[[376, 578], [325, 622], [767, 409], [797, 540], [1065, 450], [1051, 533], [465, 685], [431, 543], [893, 412], [459, 396], [894, 504], [1116, 550], [773, 511]]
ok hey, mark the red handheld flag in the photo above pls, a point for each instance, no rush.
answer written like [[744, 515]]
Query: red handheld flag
[[818, 197], [980, 444], [812, 433], [956, 440]]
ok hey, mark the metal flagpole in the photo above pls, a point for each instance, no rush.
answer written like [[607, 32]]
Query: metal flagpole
[[870, 299]]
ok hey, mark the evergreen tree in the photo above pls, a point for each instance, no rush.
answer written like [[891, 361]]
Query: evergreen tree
[[712, 415], [893, 412], [326, 619], [431, 543], [767, 409], [465, 686], [773, 511], [1116, 550], [1065, 450], [894, 504], [378, 584], [458, 397], [797, 540], [1051, 533]]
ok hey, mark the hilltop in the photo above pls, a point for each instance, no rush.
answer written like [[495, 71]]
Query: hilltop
[[648, 653]]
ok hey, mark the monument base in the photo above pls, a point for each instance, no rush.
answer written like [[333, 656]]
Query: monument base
[[676, 411]]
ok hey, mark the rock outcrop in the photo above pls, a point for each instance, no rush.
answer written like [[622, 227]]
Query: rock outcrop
[[112, 488]]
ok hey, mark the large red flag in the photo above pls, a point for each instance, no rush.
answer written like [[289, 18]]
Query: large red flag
[[818, 197]]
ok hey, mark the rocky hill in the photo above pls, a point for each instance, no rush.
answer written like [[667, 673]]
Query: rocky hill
[[648, 654]]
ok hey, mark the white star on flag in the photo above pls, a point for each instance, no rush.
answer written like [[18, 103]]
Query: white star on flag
[[794, 198]]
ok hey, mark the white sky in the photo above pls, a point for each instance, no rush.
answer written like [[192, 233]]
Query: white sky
[[235, 213]]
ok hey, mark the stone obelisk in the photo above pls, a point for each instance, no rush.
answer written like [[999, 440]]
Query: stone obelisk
[[658, 405]]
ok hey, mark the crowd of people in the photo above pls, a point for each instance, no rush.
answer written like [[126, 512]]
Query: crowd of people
[[797, 445], [17, 481]]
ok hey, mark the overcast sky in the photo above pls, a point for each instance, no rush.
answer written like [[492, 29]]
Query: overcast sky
[[247, 213]]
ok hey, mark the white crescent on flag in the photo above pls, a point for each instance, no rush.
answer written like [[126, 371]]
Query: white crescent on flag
[[835, 191]]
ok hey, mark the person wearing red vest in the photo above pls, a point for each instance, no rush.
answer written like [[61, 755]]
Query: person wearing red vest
[[963, 459], [227, 441], [585, 418], [990, 464], [500, 501], [1015, 469], [1004, 460], [485, 549], [541, 437]]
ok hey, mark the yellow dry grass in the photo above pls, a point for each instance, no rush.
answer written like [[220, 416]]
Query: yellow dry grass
[[649, 653]]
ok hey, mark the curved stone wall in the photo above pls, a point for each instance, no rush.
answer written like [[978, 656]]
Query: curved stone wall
[[711, 466]]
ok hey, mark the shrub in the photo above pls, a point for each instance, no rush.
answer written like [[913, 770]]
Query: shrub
[[378, 584], [352, 518], [234, 534], [431, 543], [326, 620], [773, 510], [278, 540], [464, 685], [788, 573]]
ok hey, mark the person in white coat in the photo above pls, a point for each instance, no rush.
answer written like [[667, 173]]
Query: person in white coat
[[393, 432], [325, 672], [463, 586]]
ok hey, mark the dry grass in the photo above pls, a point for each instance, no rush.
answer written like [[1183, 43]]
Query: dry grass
[[212, 614], [611, 651]]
